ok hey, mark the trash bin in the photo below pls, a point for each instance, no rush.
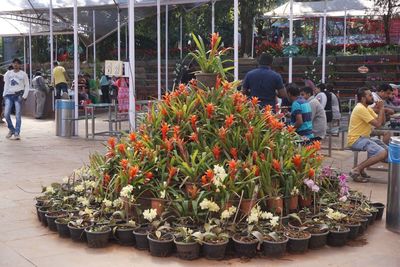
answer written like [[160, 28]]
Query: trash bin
[[393, 193], [65, 125]]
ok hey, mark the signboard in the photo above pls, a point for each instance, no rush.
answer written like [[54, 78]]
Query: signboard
[[113, 68]]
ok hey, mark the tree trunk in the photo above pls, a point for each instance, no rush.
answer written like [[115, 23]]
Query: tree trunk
[[386, 24]]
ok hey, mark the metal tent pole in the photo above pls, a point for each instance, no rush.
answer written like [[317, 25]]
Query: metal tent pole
[[320, 36], [324, 46], [132, 99], [252, 38], [24, 53], [236, 38], [76, 62], [51, 40], [94, 45], [126, 41], [30, 51], [345, 31], [158, 50], [119, 33], [212, 16], [166, 47], [290, 78], [181, 36]]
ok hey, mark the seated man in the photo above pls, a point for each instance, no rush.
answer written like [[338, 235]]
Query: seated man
[[361, 121], [301, 113], [384, 93], [318, 113]]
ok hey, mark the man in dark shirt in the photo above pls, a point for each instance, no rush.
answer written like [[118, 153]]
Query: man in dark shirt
[[264, 83]]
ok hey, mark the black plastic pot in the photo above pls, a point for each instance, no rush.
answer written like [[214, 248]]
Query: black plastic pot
[[318, 240], [354, 231], [51, 220], [338, 238], [125, 236], [381, 208], [373, 217], [215, 251], [275, 249], [298, 245], [142, 242], [38, 205], [161, 248], [42, 213], [247, 249], [187, 251], [363, 226], [77, 234], [97, 239], [62, 228]]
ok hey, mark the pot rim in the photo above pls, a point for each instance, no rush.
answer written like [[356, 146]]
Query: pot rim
[[340, 232], [216, 244], [277, 242], [296, 238], [185, 243], [97, 233], [160, 241], [242, 242]]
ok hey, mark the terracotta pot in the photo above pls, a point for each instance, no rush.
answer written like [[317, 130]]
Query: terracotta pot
[[293, 203], [158, 204], [246, 205], [275, 204], [206, 79], [305, 202]]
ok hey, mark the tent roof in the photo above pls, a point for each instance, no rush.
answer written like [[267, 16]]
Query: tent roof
[[335, 8], [16, 15]]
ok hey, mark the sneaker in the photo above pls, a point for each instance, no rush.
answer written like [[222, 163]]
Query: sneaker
[[9, 135], [16, 137]]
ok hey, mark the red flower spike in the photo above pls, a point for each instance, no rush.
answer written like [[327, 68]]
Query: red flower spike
[[164, 130], [218, 82], [210, 108], [133, 171], [204, 180], [262, 156], [194, 137], [164, 112], [222, 133], [232, 165], [210, 174], [177, 129], [254, 100], [132, 137], [229, 121], [121, 148], [255, 156], [124, 164], [111, 142], [256, 170], [297, 161], [311, 173], [214, 39], [234, 153], [291, 129], [276, 165], [169, 145], [317, 145], [193, 120], [217, 152]]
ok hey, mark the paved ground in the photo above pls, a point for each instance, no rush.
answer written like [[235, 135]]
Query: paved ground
[[41, 158]]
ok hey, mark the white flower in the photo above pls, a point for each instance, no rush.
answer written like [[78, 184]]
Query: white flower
[[343, 199], [226, 214], [209, 205], [150, 214], [126, 191], [90, 184], [335, 215], [65, 179], [79, 188], [266, 215], [254, 215], [219, 176], [295, 191], [49, 190], [117, 203], [274, 221], [107, 203], [84, 201], [162, 194]]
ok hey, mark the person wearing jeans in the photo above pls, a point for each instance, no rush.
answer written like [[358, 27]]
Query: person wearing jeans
[[16, 89]]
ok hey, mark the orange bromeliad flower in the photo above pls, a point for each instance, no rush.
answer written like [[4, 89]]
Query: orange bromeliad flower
[[218, 82], [194, 137], [111, 142], [254, 100], [210, 108], [171, 173], [234, 153], [124, 164], [276, 165], [193, 120], [222, 133], [214, 39], [164, 112], [149, 176], [256, 170], [106, 179], [216, 151], [138, 146], [169, 144], [177, 129], [317, 145], [133, 171], [297, 161], [164, 130], [229, 120], [311, 173], [210, 174], [291, 129], [121, 148], [204, 180], [193, 191], [179, 114], [232, 165], [132, 137], [255, 156]]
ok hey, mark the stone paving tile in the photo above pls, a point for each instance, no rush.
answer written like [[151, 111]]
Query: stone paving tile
[[41, 158]]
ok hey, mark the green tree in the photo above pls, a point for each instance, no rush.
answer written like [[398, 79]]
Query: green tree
[[387, 9]]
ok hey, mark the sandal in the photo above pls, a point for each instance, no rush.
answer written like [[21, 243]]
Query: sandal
[[357, 177], [364, 175]]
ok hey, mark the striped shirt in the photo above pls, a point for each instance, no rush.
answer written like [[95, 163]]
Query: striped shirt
[[301, 106]]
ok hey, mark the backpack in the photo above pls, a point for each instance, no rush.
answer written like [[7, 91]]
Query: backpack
[[328, 106]]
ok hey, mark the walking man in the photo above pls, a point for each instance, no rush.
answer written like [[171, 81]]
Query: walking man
[[264, 83], [60, 77], [41, 90], [16, 89]]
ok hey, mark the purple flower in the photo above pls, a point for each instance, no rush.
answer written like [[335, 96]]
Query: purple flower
[[315, 188], [309, 183]]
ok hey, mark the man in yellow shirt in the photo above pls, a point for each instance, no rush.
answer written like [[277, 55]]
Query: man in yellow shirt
[[361, 121], [60, 79]]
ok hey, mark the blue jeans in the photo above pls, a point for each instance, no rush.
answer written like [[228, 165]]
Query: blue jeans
[[61, 87], [10, 101], [372, 145]]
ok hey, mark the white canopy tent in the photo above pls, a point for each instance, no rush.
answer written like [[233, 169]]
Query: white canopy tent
[[41, 17], [321, 9]]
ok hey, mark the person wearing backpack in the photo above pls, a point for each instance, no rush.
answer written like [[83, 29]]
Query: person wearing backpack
[[41, 90], [325, 98]]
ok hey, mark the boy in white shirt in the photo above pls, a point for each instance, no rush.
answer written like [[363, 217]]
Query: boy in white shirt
[[16, 89]]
